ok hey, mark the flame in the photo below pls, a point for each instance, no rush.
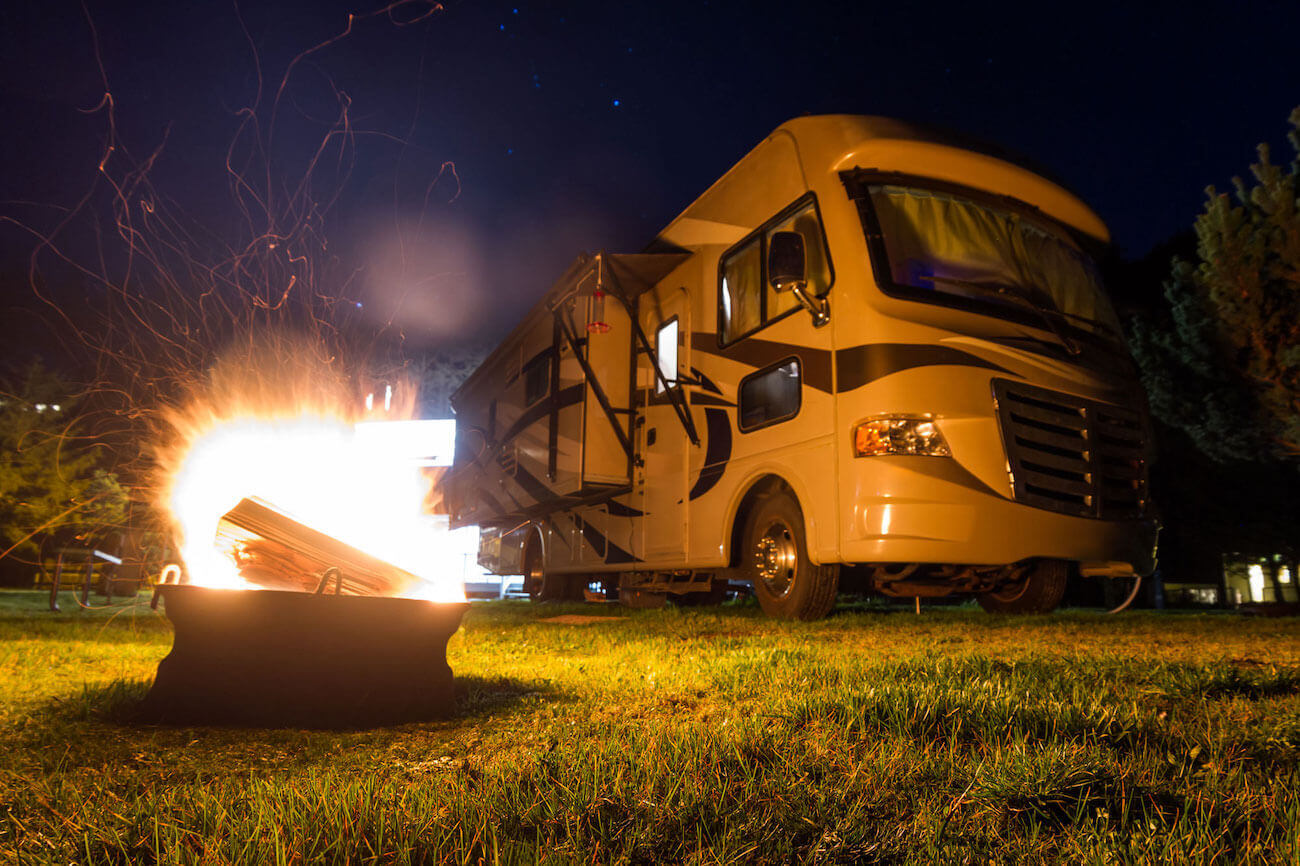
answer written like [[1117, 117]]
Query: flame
[[286, 434]]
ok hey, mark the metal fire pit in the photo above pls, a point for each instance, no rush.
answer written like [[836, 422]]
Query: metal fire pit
[[268, 658]]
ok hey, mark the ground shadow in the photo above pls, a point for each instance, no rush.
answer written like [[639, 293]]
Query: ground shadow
[[121, 702], [99, 728], [480, 696]]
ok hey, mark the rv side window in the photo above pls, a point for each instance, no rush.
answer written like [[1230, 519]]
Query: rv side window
[[537, 380], [742, 290], [769, 396], [666, 351], [746, 302]]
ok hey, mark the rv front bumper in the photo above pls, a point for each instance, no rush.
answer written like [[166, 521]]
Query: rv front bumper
[[931, 510]]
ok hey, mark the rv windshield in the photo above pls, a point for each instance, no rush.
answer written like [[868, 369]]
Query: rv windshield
[[996, 260]]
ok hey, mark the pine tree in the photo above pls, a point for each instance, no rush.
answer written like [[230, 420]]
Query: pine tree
[[1225, 367], [51, 476]]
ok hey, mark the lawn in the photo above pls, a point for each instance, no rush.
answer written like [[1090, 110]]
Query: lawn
[[687, 735]]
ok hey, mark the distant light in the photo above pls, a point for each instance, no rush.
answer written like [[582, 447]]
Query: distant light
[[1256, 582], [370, 401], [516, 11], [617, 103], [388, 397], [358, 305], [502, 27], [57, 408], [509, 150], [40, 407]]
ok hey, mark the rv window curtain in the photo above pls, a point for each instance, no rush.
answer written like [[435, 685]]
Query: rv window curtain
[[742, 291], [936, 242]]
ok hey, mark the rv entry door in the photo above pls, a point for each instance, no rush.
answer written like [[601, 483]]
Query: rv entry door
[[662, 441]]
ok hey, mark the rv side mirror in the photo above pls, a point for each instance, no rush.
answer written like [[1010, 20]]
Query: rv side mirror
[[786, 265]]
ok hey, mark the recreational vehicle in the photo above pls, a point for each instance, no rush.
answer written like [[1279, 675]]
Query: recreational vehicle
[[868, 355]]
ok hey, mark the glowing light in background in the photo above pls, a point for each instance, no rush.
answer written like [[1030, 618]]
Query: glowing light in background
[[1256, 582]]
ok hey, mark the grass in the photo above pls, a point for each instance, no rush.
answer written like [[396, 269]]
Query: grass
[[687, 735]]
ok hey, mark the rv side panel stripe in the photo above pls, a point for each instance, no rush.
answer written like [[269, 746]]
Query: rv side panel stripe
[[862, 365], [854, 367], [816, 363], [618, 509], [532, 485], [954, 473], [717, 452], [540, 409], [613, 553], [597, 540]]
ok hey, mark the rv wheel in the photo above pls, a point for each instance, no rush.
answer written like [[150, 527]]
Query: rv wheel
[[1039, 590], [775, 560], [543, 586]]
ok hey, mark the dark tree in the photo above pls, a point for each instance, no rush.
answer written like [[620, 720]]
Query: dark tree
[[1224, 366], [52, 474], [440, 372], [1221, 366]]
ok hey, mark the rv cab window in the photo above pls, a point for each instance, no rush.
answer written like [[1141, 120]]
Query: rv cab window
[[747, 302], [666, 352], [804, 221], [989, 257]]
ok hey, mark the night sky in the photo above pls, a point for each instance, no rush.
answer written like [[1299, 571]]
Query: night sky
[[590, 125]]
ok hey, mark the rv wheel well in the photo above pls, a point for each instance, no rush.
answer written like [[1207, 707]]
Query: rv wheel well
[[532, 539], [761, 488]]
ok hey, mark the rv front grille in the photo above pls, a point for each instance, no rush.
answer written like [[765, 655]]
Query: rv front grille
[[1072, 455]]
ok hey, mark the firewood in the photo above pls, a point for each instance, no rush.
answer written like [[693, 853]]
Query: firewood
[[274, 551]]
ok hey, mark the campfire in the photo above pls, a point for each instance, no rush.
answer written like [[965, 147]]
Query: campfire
[[317, 590], [309, 470]]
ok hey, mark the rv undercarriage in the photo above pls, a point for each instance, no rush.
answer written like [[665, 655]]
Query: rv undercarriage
[[917, 580], [1033, 586]]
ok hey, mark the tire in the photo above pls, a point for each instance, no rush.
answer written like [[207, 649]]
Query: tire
[[1039, 591], [774, 558], [544, 586]]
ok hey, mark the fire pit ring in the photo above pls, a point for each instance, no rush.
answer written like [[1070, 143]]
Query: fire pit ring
[[271, 658]]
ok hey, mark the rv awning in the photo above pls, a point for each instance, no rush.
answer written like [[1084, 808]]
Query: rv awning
[[626, 274]]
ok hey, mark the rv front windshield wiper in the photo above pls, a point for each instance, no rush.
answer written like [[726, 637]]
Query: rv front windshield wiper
[[1031, 298], [1094, 323]]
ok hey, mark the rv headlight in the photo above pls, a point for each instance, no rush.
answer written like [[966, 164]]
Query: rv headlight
[[899, 435]]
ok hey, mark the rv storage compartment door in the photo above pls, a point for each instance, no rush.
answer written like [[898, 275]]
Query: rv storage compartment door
[[609, 355], [665, 316]]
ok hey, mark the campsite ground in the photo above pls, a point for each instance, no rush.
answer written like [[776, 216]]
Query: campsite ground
[[697, 735]]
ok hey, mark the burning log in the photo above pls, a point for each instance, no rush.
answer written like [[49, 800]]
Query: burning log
[[275, 551], [270, 658]]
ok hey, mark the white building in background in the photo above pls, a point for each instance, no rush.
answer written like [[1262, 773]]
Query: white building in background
[[430, 445]]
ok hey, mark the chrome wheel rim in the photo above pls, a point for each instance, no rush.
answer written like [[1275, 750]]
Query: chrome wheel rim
[[776, 559]]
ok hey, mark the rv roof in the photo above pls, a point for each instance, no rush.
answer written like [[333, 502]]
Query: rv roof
[[839, 142], [627, 274]]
